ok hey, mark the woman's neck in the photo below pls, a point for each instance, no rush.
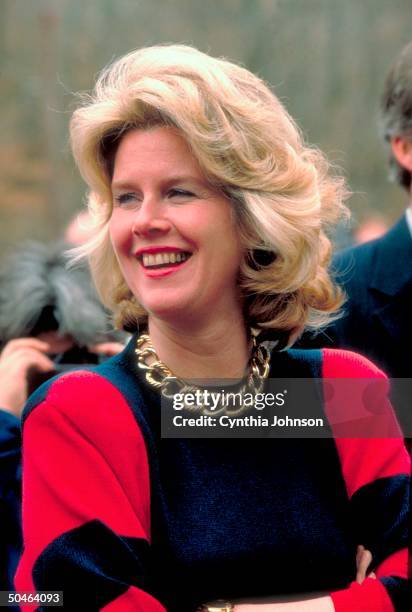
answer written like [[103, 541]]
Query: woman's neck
[[216, 349]]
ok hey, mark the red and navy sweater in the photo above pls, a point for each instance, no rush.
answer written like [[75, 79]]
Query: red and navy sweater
[[120, 519]]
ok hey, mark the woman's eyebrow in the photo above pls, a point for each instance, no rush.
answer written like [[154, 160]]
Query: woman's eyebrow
[[184, 178], [123, 184], [164, 182]]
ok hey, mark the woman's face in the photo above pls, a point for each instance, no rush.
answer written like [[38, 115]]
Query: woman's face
[[174, 235]]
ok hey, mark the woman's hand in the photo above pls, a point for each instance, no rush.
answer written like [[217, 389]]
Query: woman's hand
[[319, 604], [363, 561]]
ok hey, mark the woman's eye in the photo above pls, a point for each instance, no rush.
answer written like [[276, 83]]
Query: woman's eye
[[180, 193], [125, 198]]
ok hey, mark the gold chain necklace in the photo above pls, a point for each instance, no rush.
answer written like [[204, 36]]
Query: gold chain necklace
[[159, 376]]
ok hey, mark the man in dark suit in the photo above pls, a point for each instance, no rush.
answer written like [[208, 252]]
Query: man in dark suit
[[377, 317], [377, 276]]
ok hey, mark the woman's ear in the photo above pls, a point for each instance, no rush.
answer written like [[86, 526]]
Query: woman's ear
[[402, 150]]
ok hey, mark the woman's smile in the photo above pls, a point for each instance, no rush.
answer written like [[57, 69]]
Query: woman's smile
[[160, 261]]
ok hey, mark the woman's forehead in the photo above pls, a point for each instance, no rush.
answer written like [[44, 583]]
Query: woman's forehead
[[159, 151]]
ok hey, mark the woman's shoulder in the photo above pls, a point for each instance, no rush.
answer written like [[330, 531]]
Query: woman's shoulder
[[84, 395], [324, 363], [341, 363], [86, 410]]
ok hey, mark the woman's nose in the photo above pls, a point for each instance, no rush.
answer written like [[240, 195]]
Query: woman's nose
[[150, 218]]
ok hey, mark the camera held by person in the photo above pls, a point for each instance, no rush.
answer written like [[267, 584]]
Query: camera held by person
[[50, 321]]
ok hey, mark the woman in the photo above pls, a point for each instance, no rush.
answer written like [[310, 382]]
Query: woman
[[210, 215]]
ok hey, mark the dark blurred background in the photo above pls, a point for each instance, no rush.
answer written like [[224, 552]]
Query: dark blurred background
[[326, 60]]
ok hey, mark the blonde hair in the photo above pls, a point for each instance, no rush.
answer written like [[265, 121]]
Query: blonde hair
[[249, 148]]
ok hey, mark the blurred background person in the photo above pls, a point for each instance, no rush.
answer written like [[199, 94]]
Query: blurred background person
[[50, 321], [373, 227]]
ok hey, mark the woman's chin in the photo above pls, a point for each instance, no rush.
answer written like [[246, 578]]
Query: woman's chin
[[170, 310]]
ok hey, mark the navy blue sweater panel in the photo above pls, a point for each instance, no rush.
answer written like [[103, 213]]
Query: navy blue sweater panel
[[10, 498]]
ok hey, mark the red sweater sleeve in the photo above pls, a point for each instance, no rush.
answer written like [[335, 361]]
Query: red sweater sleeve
[[86, 499], [376, 472]]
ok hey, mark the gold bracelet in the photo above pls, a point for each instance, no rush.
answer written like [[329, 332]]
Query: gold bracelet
[[220, 605]]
